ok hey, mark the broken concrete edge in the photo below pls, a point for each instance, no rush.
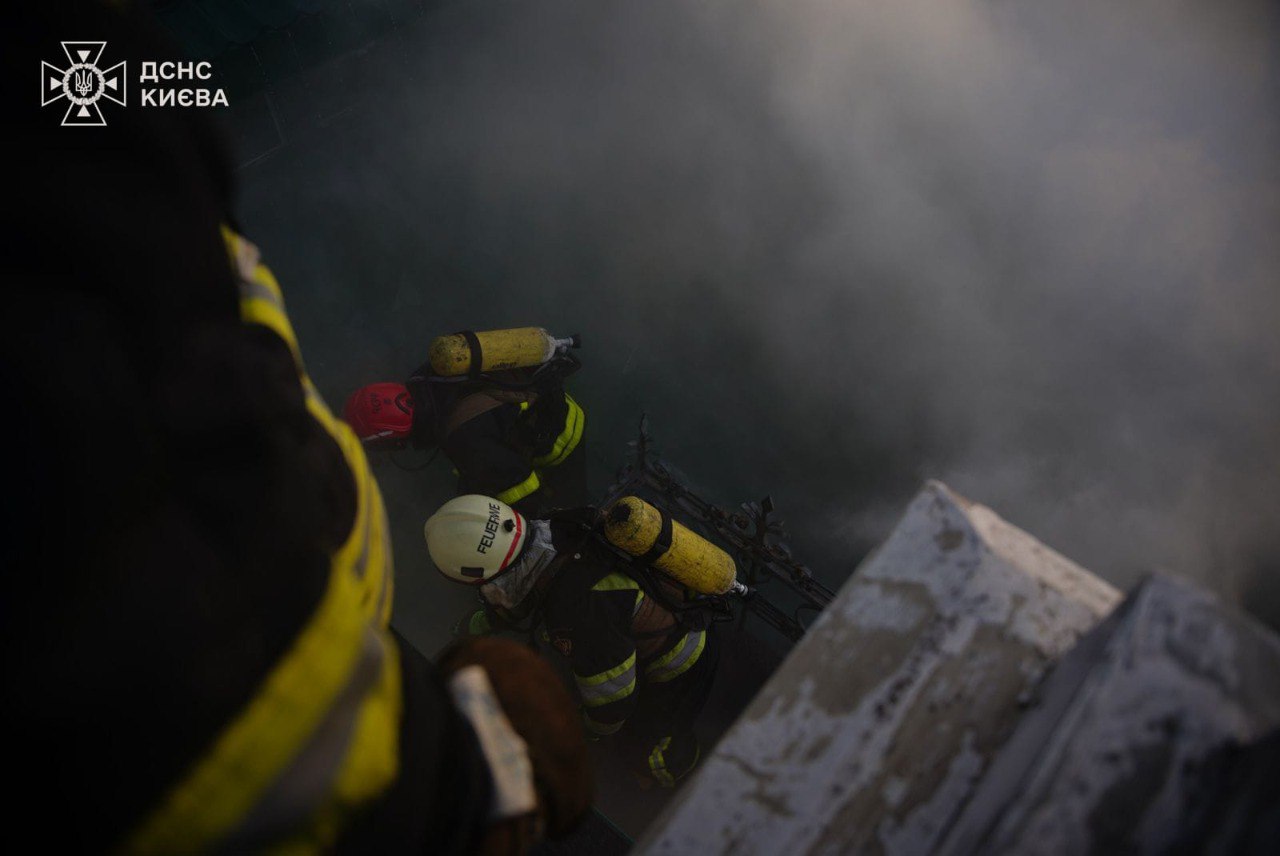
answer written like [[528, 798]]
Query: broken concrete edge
[[1140, 727], [950, 572], [940, 528]]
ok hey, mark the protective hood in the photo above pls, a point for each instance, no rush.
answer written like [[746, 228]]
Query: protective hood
[[513, 586]]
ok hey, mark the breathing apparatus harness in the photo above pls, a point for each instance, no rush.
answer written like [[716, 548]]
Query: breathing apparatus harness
[[691, 610]]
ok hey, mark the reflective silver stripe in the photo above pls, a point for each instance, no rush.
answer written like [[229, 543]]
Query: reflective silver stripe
[[612, 685], [601, 729], [302, 787], [635, 610], [679, 659], [388, 568], [363, 493], [360, 565], [251, 288]]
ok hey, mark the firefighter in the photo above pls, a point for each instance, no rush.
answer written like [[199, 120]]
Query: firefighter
[[642, 670], [514, 434], [199, 578]]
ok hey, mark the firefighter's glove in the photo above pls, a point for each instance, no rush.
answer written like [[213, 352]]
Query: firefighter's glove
[[539, 709]]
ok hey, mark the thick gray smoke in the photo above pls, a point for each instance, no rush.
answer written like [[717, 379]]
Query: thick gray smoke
[[835, 248]]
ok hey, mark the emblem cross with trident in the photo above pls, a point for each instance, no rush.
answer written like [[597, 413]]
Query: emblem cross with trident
[[83, 83]]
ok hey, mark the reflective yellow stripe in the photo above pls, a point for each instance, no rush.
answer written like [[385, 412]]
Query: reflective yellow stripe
[[574, 423], [610, 685], [512, 495], [621, 582], [600, 729], [256, 310], [265, 744], [658, 764], [615, 581], [259, 745], [679, 659]]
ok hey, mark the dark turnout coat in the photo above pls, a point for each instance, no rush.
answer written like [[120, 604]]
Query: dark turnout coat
[[197, 653], [639, 671]]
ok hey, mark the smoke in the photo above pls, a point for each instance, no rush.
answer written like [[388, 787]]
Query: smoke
[[834, 248]]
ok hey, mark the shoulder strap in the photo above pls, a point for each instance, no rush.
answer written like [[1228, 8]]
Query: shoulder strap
[[479, 403]]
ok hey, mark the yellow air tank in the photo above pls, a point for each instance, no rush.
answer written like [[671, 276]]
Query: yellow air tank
[[455, 355], [636, 527]]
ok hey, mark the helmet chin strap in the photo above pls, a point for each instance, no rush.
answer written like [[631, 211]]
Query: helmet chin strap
[[513, 587]]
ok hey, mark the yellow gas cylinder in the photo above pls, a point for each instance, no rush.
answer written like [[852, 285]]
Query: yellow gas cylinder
[[456, 354], [637, 528]]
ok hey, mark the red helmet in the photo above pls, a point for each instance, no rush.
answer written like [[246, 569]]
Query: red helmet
[[380, 412]]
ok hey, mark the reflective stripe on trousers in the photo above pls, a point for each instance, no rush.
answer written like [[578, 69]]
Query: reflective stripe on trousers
[[679, 659], [600, 729], [658, 763], [610, 685]]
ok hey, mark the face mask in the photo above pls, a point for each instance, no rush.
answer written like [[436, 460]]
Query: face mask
[[511, 590]]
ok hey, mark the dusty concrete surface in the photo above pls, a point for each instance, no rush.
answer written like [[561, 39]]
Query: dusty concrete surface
[[1144, 740], [873, 734]]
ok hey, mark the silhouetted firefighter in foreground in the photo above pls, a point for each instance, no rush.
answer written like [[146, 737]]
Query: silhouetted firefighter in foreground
[[197, 648]]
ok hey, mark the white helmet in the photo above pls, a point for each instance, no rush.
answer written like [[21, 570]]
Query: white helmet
[[473, 538]]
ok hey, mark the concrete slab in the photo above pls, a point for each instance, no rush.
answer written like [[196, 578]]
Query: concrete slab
[[872, 735], [1144, 739]]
